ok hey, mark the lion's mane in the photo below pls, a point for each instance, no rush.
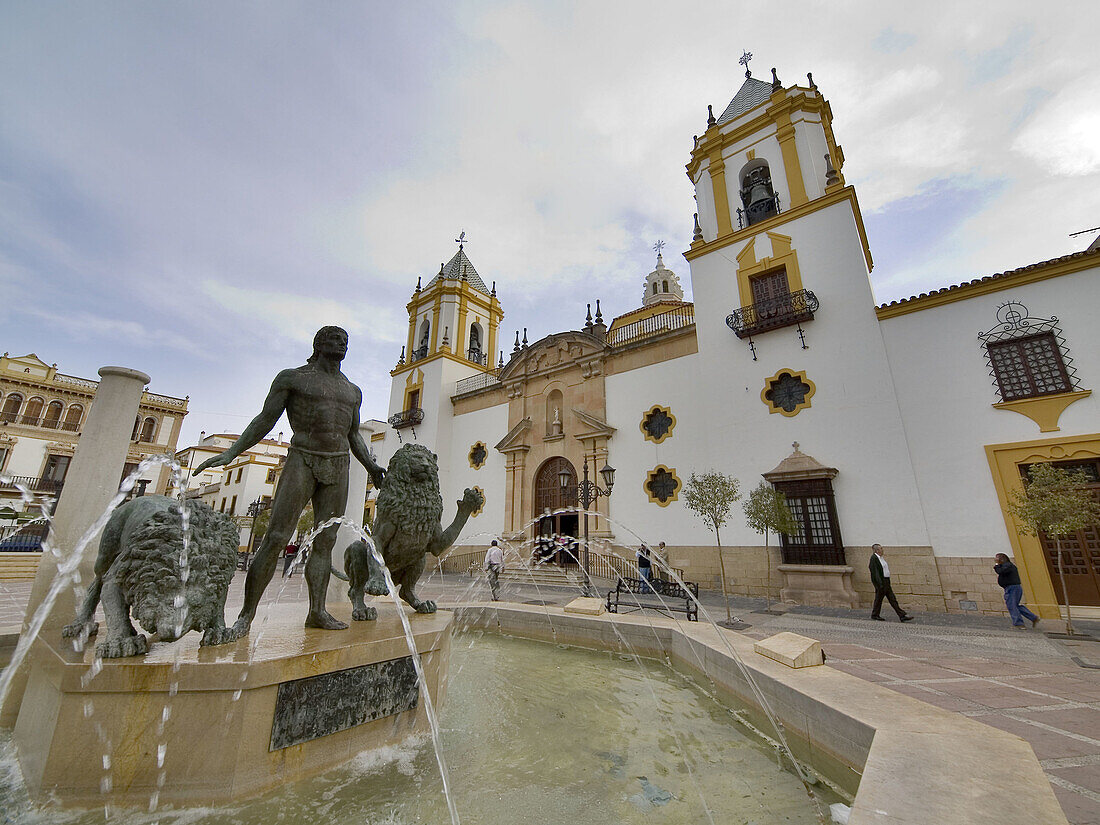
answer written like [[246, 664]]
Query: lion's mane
[[410, 504], [150, 565]]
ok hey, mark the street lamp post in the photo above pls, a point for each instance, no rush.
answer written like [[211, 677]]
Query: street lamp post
[[588, 492]]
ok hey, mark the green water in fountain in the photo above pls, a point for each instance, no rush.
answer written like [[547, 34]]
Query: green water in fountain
[[534, 733]]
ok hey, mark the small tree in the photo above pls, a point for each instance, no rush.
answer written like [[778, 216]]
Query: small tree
[[1056, 502], [766, 512], [260, 524], [305, 521], [710, 497]]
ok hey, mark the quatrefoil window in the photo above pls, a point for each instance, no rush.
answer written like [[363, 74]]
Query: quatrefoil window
[[657, 424], [787, 392], [662, 485], [479, 454]]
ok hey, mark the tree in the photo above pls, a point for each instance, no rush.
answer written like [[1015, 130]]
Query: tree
[[305, 521], [710, 497], [1056, 502], [766, 512]]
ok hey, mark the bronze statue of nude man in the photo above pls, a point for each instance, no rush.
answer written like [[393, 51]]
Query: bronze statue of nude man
[[323, 408]]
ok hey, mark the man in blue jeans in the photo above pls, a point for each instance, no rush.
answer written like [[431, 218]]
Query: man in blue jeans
[[1008, 577]]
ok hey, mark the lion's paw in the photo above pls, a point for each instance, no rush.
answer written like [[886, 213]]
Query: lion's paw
[[426, 606], [471, 499], [376, 586], [364, 614], [121, 648], [218, 636], [71, 631]]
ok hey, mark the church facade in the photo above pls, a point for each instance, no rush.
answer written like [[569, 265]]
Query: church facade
[[906, 425]]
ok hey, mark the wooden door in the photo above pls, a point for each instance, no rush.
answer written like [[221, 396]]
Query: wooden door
[[1080, 549]]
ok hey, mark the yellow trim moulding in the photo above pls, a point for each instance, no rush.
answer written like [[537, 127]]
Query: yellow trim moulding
[[1044, 410]]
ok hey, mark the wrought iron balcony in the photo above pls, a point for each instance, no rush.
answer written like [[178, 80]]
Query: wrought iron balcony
[[406, 418], [781, 311]]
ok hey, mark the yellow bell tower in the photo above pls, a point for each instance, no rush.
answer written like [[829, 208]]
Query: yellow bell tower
[[455, 316]]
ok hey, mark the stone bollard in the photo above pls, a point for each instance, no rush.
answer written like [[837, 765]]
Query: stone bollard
[[90, 484]]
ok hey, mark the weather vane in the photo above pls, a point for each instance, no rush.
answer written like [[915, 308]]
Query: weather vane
[[657, 247], [461, 239], [744, 61]]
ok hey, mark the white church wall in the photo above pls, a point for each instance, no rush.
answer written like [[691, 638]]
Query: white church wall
[[853, 422], [946, 394], [487, 426], [809, 138], [674, 384], [704, 203]]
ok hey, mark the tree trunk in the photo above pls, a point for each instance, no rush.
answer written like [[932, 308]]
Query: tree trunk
[[722, 567], [1062, 578], [768, 586]]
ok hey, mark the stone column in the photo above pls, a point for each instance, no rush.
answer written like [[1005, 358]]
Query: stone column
[[90, 484]]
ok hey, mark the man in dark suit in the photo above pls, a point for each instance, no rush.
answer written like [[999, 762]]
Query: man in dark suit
[[880, 578]]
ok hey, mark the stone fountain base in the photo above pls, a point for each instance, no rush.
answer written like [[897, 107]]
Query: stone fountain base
[[307, 701]]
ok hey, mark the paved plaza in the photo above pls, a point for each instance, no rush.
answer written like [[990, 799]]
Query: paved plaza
[[1020, 681]]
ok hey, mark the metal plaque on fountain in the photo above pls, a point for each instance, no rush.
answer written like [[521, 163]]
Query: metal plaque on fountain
[[310, 708]]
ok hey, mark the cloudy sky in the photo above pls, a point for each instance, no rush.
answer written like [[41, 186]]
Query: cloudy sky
[[192, 189]]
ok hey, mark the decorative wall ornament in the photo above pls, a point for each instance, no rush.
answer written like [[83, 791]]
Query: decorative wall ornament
[[662, 485], [657, 424], [788, 392], [479, 453]]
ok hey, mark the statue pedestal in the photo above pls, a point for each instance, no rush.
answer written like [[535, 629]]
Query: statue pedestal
[[238, 724]]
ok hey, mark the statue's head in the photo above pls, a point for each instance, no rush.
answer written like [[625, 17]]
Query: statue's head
[[331, 342]]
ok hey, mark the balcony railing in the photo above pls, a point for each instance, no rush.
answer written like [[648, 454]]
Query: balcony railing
[[406, 418], [474, 383], [39, 421], [758, 211], [676, 318], [773, 313], [37, 485]]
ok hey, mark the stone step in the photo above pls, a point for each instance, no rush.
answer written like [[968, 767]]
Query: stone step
[[541, 575], [18, 566]]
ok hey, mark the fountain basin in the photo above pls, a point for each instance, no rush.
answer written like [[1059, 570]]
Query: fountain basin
[[907, 762], [240, 722]]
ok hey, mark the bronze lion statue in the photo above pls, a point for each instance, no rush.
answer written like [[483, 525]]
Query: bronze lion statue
[[137, 573], [406, 526]]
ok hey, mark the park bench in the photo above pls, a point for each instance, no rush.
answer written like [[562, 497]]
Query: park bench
[[666, 597]]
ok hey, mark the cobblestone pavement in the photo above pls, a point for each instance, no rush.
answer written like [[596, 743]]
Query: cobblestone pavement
[[1018, 680]]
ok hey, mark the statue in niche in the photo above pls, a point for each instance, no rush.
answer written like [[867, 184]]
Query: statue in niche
[[406, 526], [323, 408], [555, 426], [138, 574]]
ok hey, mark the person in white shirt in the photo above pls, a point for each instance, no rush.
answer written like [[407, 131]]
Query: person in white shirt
[[494, 564], [880, 578]]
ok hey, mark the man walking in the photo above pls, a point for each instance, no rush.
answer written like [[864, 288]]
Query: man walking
[[494, 565], [880, 578], [645, 567], [1008, 577], [323, 408]]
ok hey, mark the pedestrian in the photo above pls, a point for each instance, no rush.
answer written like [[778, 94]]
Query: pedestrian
[[1008, 577], [289, 553], [662, 557], [880, 578], [645, 567], [494, 565]]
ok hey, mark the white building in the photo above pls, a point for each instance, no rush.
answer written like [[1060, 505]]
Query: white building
[[42, 413], [910, 422]]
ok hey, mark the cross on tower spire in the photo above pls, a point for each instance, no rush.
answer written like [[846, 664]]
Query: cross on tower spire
[[744, 61], [657, 247], [461, 240]]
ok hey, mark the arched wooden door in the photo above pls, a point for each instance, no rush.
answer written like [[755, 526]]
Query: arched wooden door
[[549, 499]]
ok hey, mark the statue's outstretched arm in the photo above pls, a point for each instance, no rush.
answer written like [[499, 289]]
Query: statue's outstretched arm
[[360, 450], [261, 425], [470, 501]]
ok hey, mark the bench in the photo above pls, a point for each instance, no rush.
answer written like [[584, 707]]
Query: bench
[[663, 596]]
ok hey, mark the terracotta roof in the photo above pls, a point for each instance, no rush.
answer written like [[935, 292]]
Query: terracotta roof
[[999, 276]]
